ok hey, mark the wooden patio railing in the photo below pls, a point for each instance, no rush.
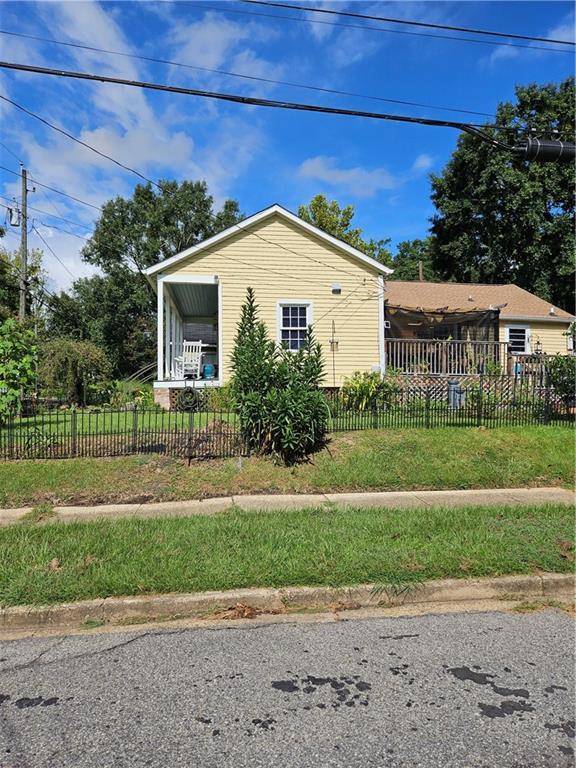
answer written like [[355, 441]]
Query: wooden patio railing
[[456, 358]]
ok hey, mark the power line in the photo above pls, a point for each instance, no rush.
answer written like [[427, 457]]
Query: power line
[[237, 99], [64, 231], [380, 29], [11, 153], [247, 77], [53, 189], [79, 141], [412, 23], [72, 275]]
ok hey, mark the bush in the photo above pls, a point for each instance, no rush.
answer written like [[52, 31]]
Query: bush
[[17, 357], [220, 399], [282, 411], [562, 376], [123, 393], [365, 391], [69, 367]]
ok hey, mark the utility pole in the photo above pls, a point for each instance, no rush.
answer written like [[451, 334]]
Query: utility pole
[[24, 247]]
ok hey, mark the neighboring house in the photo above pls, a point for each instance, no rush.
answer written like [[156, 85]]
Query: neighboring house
[[301, 276], [501, 324]]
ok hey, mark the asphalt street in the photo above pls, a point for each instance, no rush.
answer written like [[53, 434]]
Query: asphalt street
[[466, 690]]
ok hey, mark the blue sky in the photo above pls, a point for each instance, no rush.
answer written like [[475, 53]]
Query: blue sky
[[255, 155]]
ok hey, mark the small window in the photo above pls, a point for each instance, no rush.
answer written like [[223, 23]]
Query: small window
[[294, 320], [518, 341]]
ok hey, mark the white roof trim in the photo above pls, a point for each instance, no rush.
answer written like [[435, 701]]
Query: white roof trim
[[537, 318], [273, 209]]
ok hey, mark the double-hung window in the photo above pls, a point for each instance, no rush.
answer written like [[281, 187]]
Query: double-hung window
[[293, 321], [518, 339]]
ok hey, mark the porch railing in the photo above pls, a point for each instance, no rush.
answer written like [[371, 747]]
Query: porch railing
[[459, 358]]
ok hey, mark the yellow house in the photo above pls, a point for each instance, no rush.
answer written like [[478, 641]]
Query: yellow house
[[301, 276]]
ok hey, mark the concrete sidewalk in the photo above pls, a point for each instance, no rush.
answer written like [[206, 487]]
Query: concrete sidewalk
[[268, 503]]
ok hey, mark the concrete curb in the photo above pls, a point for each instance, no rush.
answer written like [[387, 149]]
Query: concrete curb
[[127, 610], [279, 502]]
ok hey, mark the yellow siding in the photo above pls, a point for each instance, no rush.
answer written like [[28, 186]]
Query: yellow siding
[[549, 334], [295, 265]]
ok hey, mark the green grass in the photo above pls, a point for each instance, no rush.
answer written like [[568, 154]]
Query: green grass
[[71, 561], [391, 459]]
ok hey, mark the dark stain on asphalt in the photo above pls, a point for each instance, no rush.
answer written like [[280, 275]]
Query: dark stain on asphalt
[[566, 750], [505, 708], [483, 678], [396, 637], [4, 697], [288, 686], [202, 719], [400, 670], [567, 728], [348, 690], [38, 701], [266, 724], [552, 688]]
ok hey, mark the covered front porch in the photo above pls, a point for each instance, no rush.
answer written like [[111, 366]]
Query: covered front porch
[[189, 347]]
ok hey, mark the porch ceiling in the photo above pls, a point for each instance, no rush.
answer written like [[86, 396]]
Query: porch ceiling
[[195, 300]]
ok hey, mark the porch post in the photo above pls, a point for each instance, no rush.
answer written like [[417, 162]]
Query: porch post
[[160, 336], [167, 337], [381, 326]]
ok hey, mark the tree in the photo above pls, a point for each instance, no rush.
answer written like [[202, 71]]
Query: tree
[[10, 263], [155, 224], [69, 367], [502, 219], [117, 310], [408, 254], [330, 217], [17, 364]]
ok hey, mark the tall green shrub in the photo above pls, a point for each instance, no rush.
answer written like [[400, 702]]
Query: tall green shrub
[[562, 375], [17, 364], [253, 357], [282, 410]]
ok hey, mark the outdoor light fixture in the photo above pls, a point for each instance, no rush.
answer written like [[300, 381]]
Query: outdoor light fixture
[[336, 288], [538, 347]]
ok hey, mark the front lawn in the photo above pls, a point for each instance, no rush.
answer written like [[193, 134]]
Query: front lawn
[[390, 459], [44, 564]]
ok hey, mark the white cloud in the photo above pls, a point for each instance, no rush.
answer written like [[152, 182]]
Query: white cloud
[[423, 162], [357, 181], [564, 30]]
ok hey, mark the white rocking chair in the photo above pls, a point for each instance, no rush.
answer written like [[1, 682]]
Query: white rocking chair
[[189, 363]]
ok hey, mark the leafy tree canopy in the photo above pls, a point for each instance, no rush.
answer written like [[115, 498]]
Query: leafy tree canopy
[[117, 310], [501, 219], [330, 217], [155, 224], [408, 254], [10, 263]]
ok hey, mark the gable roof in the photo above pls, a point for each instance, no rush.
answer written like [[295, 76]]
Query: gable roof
[[518, 303], [260, 216]]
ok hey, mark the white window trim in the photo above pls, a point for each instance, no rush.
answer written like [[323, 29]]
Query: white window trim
[[292, 303], [526, 328]]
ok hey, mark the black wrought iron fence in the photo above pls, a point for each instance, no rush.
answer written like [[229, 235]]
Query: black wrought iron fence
[[201, 432]]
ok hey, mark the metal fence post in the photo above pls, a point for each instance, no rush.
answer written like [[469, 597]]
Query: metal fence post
[[547, 405], [74, 433], [135, 429], [480, 403], [427, 408]]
